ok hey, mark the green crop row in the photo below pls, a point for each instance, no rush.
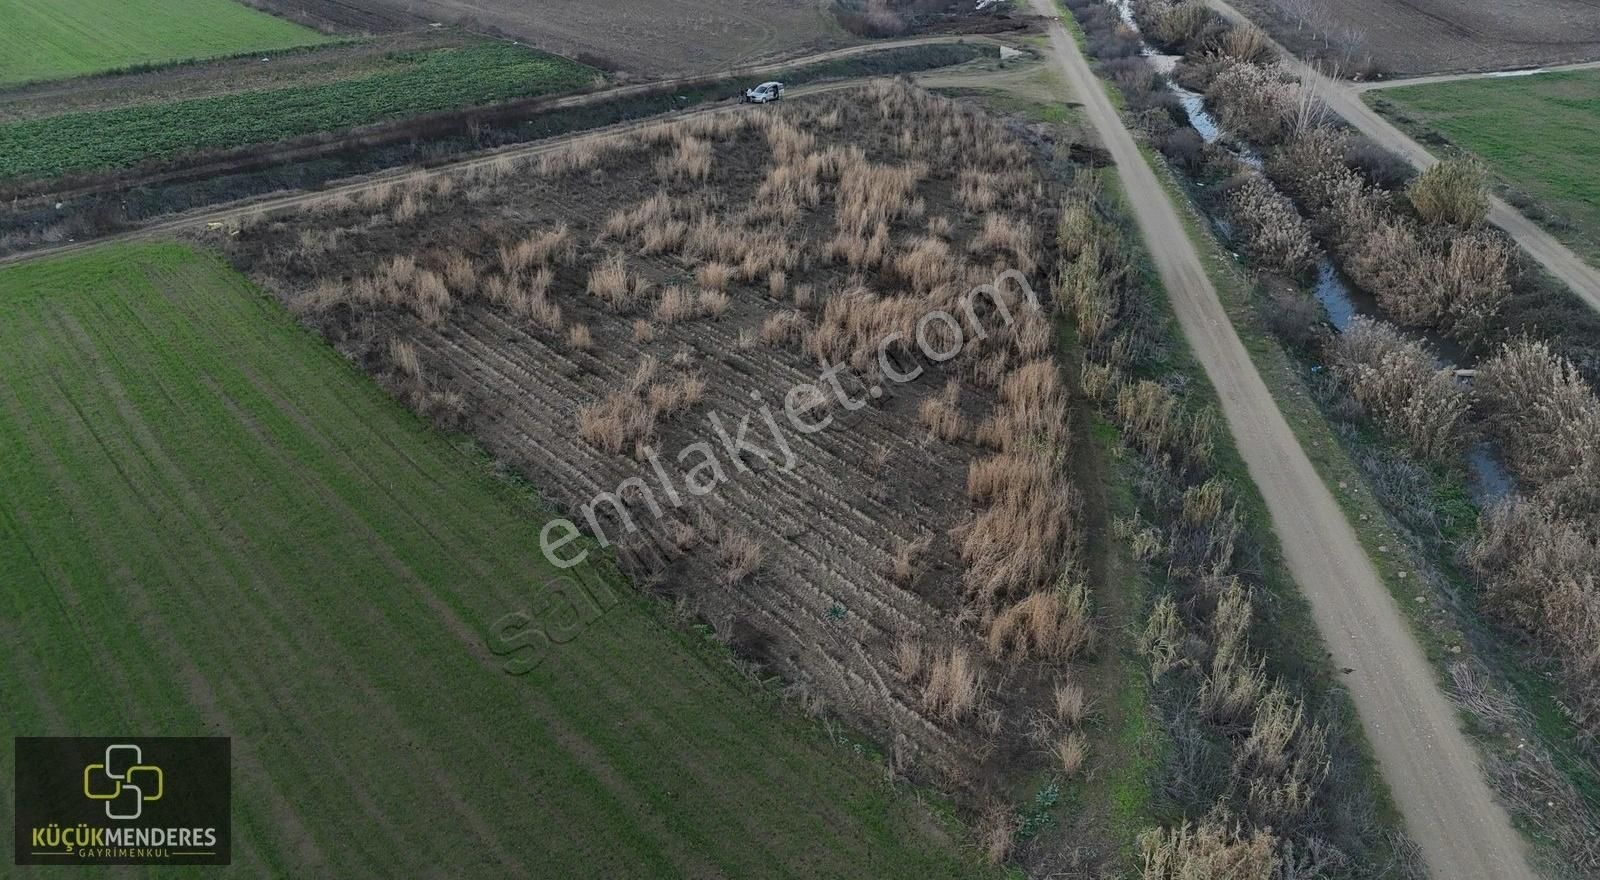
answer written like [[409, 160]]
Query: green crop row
[[439, 79]]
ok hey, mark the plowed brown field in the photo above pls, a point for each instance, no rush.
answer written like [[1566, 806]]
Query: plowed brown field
[[1431, 36]]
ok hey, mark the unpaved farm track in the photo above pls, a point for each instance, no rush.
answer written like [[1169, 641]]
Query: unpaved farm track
[[233, 212], [1410, 37], [1431, 768], [1436, 79], [1345, 100]]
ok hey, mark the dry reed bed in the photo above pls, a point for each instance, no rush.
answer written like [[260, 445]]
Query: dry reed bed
[[1263, 800], [916, 570]]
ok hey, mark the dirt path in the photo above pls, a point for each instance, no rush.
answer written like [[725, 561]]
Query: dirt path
[[1431, 768], [1459, 77], [1345, 100], [234, 211]]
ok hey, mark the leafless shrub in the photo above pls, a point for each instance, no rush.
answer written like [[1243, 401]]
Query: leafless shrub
[[1247, 43], [1262, 103], [1545, 416]]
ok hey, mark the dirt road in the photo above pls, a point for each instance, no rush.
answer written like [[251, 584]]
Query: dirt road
[[1345, 100], [234, 211], [1458, 77], [1430, 766]]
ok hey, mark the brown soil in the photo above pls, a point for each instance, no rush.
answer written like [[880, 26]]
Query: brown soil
[[652, 38], [822, 609], [1408, 37]]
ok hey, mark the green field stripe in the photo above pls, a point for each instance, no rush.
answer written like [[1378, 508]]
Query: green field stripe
[[205, 516], [44, 39], [173, 335], [434, 80]]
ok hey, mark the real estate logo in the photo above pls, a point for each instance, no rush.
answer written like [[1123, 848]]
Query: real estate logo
[[123, 801]]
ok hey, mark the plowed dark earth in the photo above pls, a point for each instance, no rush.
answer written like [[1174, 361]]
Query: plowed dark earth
[[1411, 37]]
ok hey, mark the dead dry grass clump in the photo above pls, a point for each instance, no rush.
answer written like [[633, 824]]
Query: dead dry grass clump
[[689, 162], [787, 328], [740, 554], [1050, 623], [1212, 850], [1396, 380], [953, 686], [612, 282], [942, 416], [618, 420], [1270, 227], [1005, 235]]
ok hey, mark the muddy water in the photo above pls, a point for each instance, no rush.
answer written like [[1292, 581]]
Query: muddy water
[[1487, 478]]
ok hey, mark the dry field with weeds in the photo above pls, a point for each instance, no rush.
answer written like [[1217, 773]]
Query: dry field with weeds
[[652, 38], [1433, 36], [592, 318]]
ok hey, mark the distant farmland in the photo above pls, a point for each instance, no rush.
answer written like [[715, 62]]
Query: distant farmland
[[410, 83], [48, 39], [1539, 134], [213, 525]]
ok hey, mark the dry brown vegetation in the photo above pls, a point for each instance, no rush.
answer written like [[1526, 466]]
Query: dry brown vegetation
[[1264, 800], [1538, 553], [1396, 380], [1444, 277], [593, 310]]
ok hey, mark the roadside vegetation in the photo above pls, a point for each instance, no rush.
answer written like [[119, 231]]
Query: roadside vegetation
[[1535, 133], [1262, 774], [1487, 570], [258, 532], [44, 39], [425, 81]]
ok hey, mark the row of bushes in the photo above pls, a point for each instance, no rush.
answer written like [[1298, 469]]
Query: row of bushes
[[1538, 553], [1419, 245], [1251, 761]]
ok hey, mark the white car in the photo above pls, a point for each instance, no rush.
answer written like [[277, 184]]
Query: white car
[[767, 91]]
